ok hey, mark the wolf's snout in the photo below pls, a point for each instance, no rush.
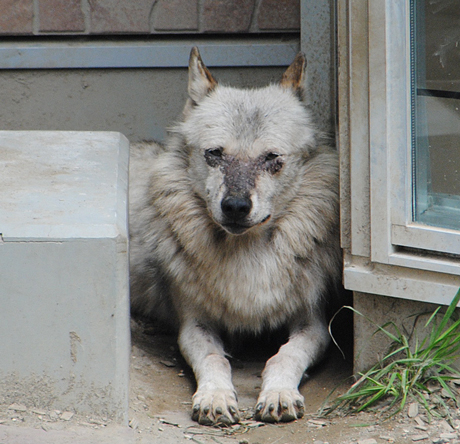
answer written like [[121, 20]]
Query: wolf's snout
[[236, 208]]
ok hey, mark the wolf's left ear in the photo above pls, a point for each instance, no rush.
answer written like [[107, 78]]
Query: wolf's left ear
[[294, 77], [200, 80]]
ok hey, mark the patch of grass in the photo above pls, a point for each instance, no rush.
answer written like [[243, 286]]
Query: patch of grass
[[414, 372]]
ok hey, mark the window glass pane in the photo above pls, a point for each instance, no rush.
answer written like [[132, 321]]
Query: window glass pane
[[435, 70]]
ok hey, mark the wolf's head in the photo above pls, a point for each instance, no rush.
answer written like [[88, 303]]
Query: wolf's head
[[246, 147]]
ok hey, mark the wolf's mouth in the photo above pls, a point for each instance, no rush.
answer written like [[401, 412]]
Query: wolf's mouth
[[236, 228], [266, 219]]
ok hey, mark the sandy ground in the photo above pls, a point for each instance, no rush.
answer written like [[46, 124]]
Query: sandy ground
[[160, 394]]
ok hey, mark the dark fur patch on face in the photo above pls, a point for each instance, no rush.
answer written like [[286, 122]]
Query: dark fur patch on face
[[240, 175]]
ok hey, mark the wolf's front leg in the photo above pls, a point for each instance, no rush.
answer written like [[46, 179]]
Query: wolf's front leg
[[280, 399], [215, 399]]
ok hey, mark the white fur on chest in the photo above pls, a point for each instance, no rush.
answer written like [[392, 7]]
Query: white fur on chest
[[242, 288]]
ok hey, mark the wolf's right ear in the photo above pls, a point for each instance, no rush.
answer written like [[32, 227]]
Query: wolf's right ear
[[200, 80]]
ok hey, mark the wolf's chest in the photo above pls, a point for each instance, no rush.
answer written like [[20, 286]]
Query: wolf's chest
[[248, 290]]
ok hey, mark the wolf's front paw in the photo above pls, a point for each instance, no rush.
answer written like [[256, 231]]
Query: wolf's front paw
[[282, 405], [215, 407]]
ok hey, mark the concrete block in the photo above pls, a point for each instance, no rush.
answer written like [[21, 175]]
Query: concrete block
[[64, 310], [371, 346]]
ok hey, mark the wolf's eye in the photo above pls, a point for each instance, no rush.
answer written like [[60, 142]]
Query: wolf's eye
[[215, 152], [271, 156], [273, 162], [213, 156]]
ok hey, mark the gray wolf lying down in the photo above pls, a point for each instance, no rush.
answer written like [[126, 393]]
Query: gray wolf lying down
[[234, 228]]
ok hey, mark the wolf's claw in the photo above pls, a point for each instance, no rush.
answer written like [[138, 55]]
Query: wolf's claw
[[215, 407], [196, 412], [279, 406]]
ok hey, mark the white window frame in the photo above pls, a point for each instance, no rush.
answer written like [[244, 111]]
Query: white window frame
[[385, 251]]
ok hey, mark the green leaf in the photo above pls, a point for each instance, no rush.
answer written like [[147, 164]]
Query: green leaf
[[448, 313]]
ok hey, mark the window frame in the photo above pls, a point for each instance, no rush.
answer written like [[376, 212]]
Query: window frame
[[385, 251]]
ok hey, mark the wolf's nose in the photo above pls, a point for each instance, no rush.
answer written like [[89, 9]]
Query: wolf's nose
[[236, 208]]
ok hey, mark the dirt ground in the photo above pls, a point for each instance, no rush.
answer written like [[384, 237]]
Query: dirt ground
[[160, 395]]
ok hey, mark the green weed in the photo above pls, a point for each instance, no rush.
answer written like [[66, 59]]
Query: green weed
[[417, 372]]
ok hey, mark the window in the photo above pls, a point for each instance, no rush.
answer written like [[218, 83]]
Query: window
[[399, 138], [435, 74]]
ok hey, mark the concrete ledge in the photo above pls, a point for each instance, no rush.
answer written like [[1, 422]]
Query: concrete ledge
[[146, 54], [64, 271]]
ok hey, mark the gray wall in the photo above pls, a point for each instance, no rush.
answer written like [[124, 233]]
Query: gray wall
[[140, 103]]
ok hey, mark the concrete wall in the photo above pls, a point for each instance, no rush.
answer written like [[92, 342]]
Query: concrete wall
[[139, 103], [369, 346]]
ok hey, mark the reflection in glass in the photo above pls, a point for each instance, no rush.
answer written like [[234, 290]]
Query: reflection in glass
[[435, 69]]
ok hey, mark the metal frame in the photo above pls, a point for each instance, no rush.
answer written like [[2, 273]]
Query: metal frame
[[71, 54]]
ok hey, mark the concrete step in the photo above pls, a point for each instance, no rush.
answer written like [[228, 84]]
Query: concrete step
[[64, 311]]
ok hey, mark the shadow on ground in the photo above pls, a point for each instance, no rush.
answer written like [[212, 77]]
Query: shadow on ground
[[162, 386]]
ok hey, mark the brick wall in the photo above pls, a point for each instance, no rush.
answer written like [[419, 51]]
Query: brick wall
[[105, 17]]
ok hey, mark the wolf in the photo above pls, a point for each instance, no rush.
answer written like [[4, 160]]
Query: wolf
[[234, 228]]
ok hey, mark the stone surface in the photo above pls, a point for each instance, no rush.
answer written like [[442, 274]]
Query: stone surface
[[367, 441], [61, 16], [413, 410], [420, 437], [448, 435], [176, 15], [226, 16], [279, 15], [66, 416], [120, 16], [64, 272], [23, 17], [16, 16]]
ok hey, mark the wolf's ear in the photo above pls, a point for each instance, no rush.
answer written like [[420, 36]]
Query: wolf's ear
[[200, 80], [294, 76]]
